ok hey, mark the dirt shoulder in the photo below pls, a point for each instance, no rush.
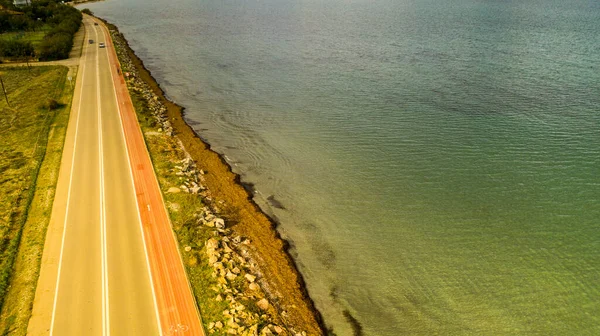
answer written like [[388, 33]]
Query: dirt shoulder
[[199, 188]]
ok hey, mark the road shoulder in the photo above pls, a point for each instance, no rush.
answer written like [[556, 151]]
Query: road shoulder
[[39, 323]]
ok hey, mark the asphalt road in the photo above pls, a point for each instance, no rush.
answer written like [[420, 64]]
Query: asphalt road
[[111, 264]]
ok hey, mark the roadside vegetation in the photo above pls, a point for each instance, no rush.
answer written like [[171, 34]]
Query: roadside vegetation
[[32, 131], [43, 30]]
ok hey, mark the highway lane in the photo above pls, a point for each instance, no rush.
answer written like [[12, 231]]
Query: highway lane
[[97, 280], [133, 309]]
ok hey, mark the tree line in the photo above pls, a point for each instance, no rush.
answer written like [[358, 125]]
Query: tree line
[[63, 20]]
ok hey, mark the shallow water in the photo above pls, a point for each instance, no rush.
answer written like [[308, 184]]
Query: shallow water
[[438, 164]]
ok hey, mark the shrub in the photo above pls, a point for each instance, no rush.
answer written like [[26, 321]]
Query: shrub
[[51, 104], [87, 11], [55, 46], [16, 48]]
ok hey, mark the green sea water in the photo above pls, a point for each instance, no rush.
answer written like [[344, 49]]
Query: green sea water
[[436, 165]]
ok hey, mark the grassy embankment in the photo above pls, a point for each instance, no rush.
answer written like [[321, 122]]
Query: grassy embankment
[[32, 133]]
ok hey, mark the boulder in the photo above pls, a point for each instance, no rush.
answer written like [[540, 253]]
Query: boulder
[[232, 323], [174, 190], [262, 304], [266, 331], [226, 248], [250, 277], [219, 223], [212, 244], [253, 329], [230, 276]]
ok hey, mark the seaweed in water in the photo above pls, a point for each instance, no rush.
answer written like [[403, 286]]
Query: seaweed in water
[[275, 203], [248, 186], [356, 326]]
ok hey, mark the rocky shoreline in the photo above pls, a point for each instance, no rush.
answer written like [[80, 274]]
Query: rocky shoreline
[[253, 277]]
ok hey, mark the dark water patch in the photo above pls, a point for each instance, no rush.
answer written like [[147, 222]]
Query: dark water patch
[[325, 254], [274, 202], [357, 328], [334, 292], [192, 122], [249, 187]]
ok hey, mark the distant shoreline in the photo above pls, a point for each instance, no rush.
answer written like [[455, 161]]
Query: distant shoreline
[[278, 267]]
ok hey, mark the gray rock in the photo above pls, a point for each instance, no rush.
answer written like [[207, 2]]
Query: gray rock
[[219, 223], [212, 244], [226, 248], [262, 304], [174, 190], [230, 276]]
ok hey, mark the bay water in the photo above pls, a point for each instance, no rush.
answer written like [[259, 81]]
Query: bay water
[[434, 164]]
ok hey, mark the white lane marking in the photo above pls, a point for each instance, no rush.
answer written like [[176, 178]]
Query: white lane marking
[[160, 331], [62, 244], [103, 248]]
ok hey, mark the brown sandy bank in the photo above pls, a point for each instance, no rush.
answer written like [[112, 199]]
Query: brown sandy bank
[[285, 285]]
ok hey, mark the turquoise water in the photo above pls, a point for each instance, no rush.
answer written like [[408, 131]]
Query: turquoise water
[[439, 163]]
